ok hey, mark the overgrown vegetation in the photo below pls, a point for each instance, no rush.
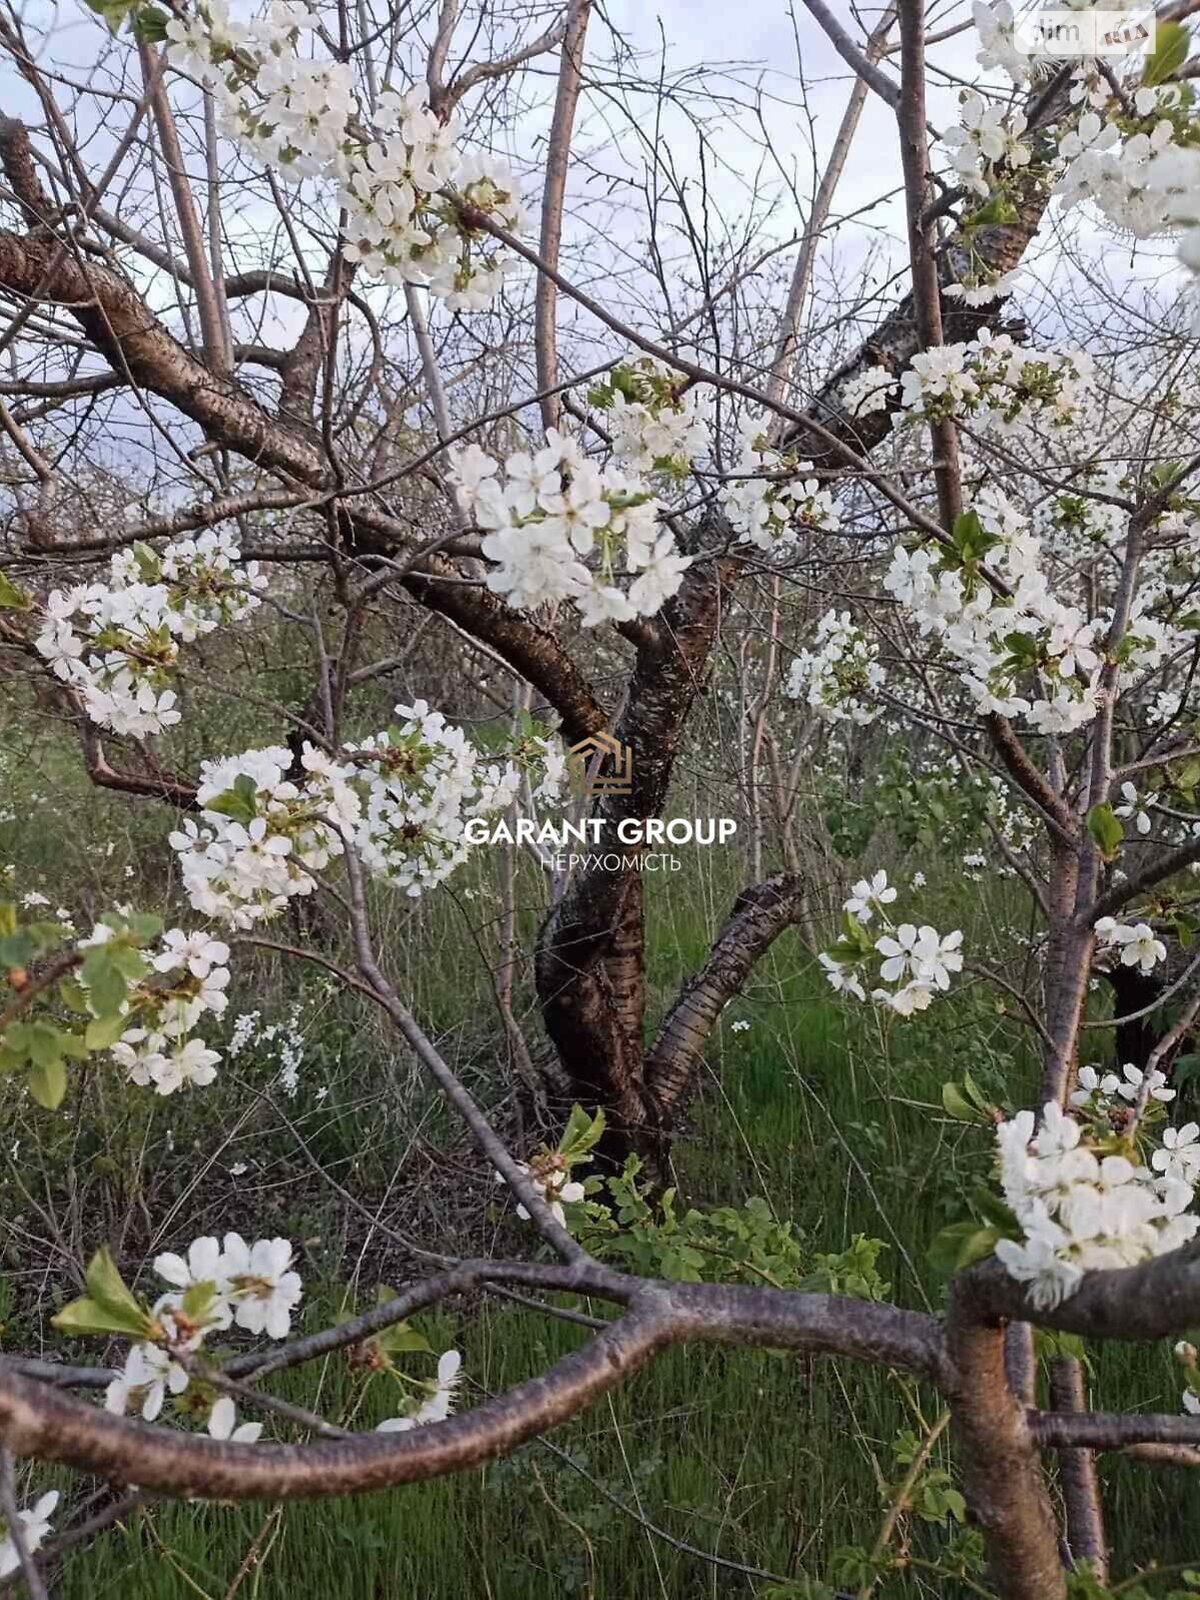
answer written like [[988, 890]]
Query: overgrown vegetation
[[818, 1152]]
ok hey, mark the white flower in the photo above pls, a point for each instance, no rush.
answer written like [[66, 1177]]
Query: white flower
[[441, 1397], [190, 1063], [1139, 947], [223, 1424], [839, 675], [1134, 1079], [198, 952], [868, 896], [913, 997], [869, 391], [938, 957], [841, 977], [998, 39], [1179, 1157], [1132, 807], [148, 1374], [1038, 1262], [471, 468], [909, 951], [554, 1185], [35, 1524], [201, 1265], [1082, 1208], [1089, 1083], [259, 1282]]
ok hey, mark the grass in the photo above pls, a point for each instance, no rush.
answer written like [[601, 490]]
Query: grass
[[769, 1462]]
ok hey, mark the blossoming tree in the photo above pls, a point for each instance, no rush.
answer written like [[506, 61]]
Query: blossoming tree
[[1005, 528]]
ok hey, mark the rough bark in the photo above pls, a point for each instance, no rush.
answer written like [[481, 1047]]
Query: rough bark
[[39, 1420], [591, 1004], [1001, 1465], [999, 246], [1080, 1481], [590, 961], [759, 915]]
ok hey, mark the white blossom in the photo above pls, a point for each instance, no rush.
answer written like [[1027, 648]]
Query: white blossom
[[35, 1525]]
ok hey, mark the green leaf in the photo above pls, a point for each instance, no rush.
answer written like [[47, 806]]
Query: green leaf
[[44, 1046], [89, 1316], [967, 529], [107, 1288], [1022, 648], [994, 1211], [129, 962], [997, 209], [1105, 828], [1171, 45], [103, 1032], [960, 1244], [581, 1133], [148, 565], [48, 1083], [72, 994], [72, 1045], [144, 926], [956, 1105], [198, 1300], [232, 804], [402, 1340], [114, 12], [12, 598], [105, 984], [975, 1094]]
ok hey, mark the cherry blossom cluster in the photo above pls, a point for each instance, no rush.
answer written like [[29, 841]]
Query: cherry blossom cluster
[[116, 644], [215, 1286], [657, 423], [1017, 648], [558, 527], [421, 781], [1082, 1197], [985, 135], [869, 390], [296, 111], [1146, 183], [999, 46], [263, 832], [838, 677], [768, 500], [190, 976], [1000, 386], [1133, 155], [1111, 1095], [269, 824], [916, 961]]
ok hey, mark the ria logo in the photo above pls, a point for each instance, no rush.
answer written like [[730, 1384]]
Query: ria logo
[[587, 760]]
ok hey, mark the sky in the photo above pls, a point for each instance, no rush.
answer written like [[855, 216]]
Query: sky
[[761, 78]]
